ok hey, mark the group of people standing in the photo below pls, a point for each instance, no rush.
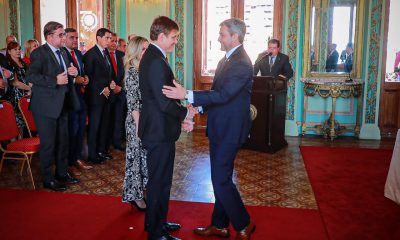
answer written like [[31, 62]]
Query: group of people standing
[[67, 86]]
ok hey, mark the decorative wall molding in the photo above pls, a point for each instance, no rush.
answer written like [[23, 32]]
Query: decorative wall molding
[[13, 6], [374, 46], [291, 43], [180, 46]]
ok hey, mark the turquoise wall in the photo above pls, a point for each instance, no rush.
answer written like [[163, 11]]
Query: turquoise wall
[[25, 21]]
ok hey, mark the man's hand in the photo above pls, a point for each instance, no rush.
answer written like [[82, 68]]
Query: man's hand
[[62, 78], [86, 80], [112, 85], [177, 92], [2, 83], [79, 80], [192, 111], [117, 89], [6, 73], [106, 92], [72, 71], [187, 125]]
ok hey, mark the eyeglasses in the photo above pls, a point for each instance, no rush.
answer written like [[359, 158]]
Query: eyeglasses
[[60, 35]]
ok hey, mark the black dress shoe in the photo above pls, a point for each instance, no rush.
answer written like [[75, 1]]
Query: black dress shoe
[[67, 179], [168, 237], [96, 160], [55, 186], [104, 156], [168, 226]]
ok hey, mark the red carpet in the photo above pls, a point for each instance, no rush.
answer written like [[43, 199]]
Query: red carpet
[[47, 215], [348, 184]]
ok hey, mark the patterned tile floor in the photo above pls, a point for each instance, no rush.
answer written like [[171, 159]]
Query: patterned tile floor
[[278, 179]]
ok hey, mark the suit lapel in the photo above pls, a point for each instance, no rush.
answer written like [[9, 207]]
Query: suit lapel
[[55, 61], [222, 65]]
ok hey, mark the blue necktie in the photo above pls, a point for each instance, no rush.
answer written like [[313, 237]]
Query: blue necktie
[[60, 60]]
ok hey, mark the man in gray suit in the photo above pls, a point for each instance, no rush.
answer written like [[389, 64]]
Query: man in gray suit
[[53, 96]]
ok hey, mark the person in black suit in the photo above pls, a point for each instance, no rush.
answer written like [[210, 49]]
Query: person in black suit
[[228, 127], [5, 77], [77, 119], [159, 125], [332, 59], [53, 96], [272, 62], [98, 67], [118, 98], [347, 57]]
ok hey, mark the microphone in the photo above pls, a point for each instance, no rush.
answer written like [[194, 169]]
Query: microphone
[[267, 54]]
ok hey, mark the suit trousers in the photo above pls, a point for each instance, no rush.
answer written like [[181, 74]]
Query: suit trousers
[[77, 126], [99, 116], [53, 134], [117, 121], [228, 206], [160, 164]]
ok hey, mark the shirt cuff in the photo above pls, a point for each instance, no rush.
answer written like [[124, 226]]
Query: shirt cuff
[[189, 97]]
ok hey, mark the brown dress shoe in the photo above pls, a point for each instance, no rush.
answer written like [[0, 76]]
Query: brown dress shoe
[[212, 231], [82, 165], [246, 232]]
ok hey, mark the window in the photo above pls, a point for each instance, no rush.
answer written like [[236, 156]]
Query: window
[[261, 23], [52, 10], [90, 19]]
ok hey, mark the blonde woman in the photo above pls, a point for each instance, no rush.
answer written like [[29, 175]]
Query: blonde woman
[[30, 45], [136, 168]]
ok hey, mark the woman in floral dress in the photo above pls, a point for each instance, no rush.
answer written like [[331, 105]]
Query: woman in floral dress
[[136, 169]]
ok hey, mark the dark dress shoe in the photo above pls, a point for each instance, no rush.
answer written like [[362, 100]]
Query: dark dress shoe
[[134, 204], [246, 232], [168, 226], [212, 231], [168, 237], [67, 178], [55, 186], [96, 160], [104, 156]]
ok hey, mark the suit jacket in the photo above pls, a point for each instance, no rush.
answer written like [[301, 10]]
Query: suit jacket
[[281, 66], [47, 97], [99, 73], [228, 101], [160, 117], [331, 61], [119, 77]]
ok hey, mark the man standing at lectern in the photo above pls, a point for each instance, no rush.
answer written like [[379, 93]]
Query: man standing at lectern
[[228, 126], [272, 62]]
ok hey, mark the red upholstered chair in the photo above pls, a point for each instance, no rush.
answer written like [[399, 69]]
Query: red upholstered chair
[[23, 105], [21, 149]]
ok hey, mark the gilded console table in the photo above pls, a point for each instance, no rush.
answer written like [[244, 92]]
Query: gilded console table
[[331, 88]]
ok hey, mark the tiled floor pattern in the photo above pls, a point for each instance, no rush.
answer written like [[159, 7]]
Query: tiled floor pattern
[[278, 180]]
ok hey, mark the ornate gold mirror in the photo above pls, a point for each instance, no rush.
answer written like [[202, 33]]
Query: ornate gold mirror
[[333, 38]]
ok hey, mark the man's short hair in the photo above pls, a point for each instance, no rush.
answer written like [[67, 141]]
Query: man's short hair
[[120, 40], [162, 24], [102, 31], [274, 41], [69, 30], [50, 28], [114, 34], [235, 25]]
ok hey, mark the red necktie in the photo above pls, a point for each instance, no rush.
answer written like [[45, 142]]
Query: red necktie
[[114, 63], [76, 64]]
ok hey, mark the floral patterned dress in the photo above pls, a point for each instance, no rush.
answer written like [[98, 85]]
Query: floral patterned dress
[[136, 176], [16, 94]]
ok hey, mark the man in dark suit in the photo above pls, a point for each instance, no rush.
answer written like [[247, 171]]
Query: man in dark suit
[[272, 62], [53, 96], [118, 98], [77, 119], [159, 125], [98, 67], [332, 59], [228, 126]]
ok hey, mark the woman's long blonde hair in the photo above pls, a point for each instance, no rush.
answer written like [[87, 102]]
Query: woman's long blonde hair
[[133, 52], [28, 46]]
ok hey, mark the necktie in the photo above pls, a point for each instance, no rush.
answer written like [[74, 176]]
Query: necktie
[[106, 58], [74, 59], [271, 60], [114, 63], [60, 60]]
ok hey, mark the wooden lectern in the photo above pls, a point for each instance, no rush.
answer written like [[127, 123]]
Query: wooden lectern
[[268, 110]]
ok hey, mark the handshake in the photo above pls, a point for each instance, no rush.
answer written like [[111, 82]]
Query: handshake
[[179, 92]]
